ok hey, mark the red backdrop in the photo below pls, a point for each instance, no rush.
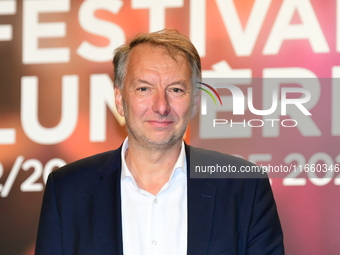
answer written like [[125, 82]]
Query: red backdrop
[[56, 98]]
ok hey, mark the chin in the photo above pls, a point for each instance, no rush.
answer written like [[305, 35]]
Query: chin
[[163, 142]]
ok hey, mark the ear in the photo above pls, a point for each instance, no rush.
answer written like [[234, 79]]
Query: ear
[[119, 101], [196, 103]]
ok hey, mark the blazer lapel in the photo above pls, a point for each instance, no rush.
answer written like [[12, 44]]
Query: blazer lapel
[[107, 203], [201, 200]]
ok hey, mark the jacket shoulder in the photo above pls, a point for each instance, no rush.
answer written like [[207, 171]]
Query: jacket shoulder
[[91, 168]]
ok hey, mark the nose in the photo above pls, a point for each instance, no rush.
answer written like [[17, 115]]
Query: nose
[[161, 103]]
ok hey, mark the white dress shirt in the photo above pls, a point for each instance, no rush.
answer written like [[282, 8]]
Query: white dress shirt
[[155, 225]]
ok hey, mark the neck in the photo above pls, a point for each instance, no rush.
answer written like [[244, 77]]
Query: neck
[[151, 168]]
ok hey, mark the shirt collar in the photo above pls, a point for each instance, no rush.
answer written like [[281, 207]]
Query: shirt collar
[[180, 165]]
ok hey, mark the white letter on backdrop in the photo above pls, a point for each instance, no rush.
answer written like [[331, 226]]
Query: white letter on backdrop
[[33, 31], [7, 7], [90, 23], [309, 28], [29, 111], [243, 40], [157, 11], [198, 25], [101, 97]]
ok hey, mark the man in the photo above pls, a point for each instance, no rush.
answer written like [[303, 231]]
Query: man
[[140, 199]]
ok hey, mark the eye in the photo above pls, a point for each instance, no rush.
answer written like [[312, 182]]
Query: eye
[[175, 91], [143, 89]]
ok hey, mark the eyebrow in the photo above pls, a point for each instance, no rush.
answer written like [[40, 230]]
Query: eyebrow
[[142, 81], [181, 82]]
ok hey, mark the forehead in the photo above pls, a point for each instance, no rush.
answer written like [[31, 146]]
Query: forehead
[[156, 57]]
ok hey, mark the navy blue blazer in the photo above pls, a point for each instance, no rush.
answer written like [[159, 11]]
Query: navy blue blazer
[[81, 210]]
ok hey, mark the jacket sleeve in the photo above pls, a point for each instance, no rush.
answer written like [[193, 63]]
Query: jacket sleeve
[[49, 231], [265, 234]]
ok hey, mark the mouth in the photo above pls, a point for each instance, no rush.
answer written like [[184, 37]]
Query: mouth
[[160, 123]]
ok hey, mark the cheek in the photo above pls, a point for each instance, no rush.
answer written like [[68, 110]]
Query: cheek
[[181, 109], [138, 107]]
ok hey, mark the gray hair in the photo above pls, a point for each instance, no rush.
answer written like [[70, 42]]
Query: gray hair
[[173, 42]]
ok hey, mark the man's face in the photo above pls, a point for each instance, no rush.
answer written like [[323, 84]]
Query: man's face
[[156, 98]]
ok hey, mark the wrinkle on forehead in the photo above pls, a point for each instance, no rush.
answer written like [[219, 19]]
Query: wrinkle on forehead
[[154, 63], [174, 54]]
